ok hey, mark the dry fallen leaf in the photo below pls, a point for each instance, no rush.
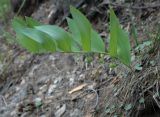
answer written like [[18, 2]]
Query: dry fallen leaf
[[80, 87]]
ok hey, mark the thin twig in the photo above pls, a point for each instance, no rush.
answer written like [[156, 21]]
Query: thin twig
[[19, 10]]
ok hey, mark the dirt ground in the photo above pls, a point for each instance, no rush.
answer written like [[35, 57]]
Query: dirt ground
[[84, 85]]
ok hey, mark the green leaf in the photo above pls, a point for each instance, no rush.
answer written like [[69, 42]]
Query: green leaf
[[97, 44], [31, 22], [29, 43], [113, 34], [119, 45], [112, 65], [36, 41], [60, 36], [77, 45], [74, 30], [138, 67], [123, 47], [84, 28], [18, 23]]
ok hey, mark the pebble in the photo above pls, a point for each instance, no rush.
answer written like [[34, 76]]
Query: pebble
[[51, 89]]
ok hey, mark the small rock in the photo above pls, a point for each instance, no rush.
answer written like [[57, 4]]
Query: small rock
[[43, 88], [58, 80], [52, 57], [71, 81], [82, 76], [51, 89]]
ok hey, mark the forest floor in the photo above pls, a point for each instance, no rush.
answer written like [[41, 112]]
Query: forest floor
[[84, 85]]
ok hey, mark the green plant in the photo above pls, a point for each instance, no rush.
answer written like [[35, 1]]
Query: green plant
[[4, 7], [81, 37]]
